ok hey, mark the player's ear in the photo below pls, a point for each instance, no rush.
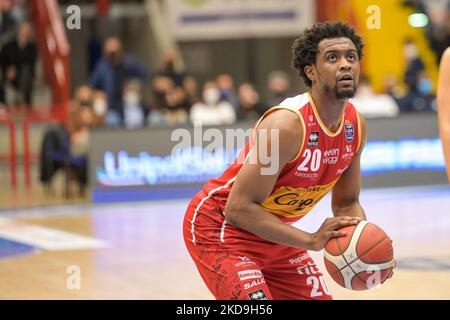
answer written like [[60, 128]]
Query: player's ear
[[310, 73]]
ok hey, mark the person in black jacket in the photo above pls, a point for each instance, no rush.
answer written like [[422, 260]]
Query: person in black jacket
[[18, 59]]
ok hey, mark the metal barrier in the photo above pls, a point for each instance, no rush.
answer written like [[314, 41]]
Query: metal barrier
[[11, 157]]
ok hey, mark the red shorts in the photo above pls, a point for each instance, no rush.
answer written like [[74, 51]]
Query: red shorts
[[236, 264]]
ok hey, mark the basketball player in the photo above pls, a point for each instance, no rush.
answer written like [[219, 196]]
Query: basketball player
[[238, 230], [443, 102]]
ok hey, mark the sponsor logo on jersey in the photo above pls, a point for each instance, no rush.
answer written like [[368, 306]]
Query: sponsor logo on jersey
[[244, 261], [258, 295], [250, 274], [349, 152], [313, 139], [341, 171], [331, 156], [307, 175], [311, 121], [308, 269], [299, 259], [290, 199], [254, 283], [349, 131], [295, 202]]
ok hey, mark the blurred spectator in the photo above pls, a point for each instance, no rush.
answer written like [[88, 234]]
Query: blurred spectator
[[174, 112], [134, 113], [392, 87], [213, 110], [168, 67], [18, 59], [226, 86], [249, 106], [67, 147], [278, 86], [169, 104], [373, 105], [7, 22], [84, 98], [100, 104], [414, 64], [160, 87], [191, 88], [111, 73], [420, 87]]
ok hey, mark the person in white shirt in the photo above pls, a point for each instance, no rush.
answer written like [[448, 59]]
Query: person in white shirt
[[132, 105], [371, 104], [212, 110]]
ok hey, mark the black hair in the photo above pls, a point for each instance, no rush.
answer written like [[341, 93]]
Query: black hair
[[306, 47]]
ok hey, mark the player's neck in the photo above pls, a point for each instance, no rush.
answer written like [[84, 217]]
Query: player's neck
[[329, 108]]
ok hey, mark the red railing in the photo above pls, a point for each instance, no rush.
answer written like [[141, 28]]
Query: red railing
[[11, 157], [54, 49]]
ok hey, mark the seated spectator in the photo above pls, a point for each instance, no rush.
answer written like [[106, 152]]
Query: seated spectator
[[82, 117], [278, 86], [190, 86], [170, 105], [160, 87], [226, 87], [373, 105], [111, 73], [134, 112], [18, 59], [249, 106], [100, 104], [213, 110]]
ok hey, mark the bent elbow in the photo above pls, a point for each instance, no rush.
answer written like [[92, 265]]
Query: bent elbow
[[233, 213]]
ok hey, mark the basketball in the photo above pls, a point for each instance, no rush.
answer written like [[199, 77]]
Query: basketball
[[360, 260]]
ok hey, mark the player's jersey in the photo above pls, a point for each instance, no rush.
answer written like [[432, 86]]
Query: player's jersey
[[305, 180]]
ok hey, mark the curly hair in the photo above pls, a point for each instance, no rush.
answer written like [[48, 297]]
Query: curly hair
[[306, 47]]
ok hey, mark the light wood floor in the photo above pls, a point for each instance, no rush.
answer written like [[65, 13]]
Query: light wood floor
[[146, 257]]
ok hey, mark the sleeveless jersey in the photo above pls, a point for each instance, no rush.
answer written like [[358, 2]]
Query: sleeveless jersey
[[305, 180]]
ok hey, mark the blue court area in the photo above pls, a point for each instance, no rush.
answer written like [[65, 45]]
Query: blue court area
[[9, 249]]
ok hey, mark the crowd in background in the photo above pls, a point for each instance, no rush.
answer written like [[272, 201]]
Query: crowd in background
[[123, 93]]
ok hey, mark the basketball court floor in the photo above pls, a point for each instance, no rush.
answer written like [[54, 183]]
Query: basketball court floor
[[136, 250]]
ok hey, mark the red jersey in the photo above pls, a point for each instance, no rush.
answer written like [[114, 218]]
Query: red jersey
[[304, 181]]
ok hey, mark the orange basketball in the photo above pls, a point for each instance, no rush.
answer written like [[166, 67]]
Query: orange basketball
[[362, 259]]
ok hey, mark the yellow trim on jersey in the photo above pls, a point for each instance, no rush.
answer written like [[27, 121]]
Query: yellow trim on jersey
[[322, 125], [359, 131], [297, 112]]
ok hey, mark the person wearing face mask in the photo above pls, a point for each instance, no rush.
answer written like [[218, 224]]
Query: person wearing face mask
[[212, 111], [420, 87], [111, 74], [133, 109]]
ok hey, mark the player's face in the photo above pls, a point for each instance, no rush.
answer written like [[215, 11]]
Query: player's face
[[337, 67]]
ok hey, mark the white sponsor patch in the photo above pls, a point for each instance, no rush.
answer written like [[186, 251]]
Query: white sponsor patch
[[250, 274], [45, 238], [254, 283]]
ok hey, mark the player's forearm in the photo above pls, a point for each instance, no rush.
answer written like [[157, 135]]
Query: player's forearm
[[351, 209], [255, 219]]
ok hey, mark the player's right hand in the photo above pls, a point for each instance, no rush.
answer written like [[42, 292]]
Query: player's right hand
[[328, 230]]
